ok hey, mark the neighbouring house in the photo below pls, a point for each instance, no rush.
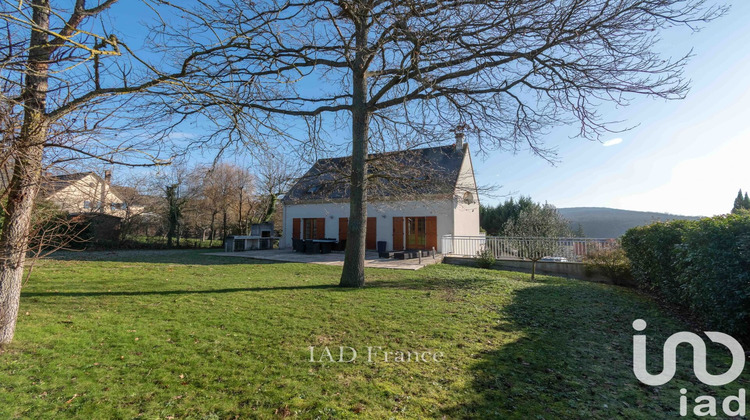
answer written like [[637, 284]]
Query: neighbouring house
[[87, 192], [414, 198], [93, 203]]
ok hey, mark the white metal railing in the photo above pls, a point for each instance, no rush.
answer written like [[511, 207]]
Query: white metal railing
[[570, 249]]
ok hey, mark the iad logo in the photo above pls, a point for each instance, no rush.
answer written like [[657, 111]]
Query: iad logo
[[707, 404], [699, 357]]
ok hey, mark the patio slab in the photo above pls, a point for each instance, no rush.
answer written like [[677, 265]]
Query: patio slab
[[334, 258]]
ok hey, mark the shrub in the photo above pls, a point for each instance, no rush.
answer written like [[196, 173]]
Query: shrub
[[702, 265], [485, 258], [714, 272], [612, 263], [651, 250]]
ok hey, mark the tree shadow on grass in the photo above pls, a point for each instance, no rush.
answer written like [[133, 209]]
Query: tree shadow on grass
[[170, 256], [569, 355], [443, 277], [409, 284], [330, 287], [431, 284]]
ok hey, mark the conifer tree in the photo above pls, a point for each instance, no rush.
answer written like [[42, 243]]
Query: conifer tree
[[738, 202]]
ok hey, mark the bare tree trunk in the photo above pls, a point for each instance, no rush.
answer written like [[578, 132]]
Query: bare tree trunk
[[270, 207], [27, 169], [533, 269], [15, 235], [353, 273], [213, 218], [239, 216], [224, 227], [172, 214]]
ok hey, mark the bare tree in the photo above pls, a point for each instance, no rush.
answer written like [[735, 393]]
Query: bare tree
[[74, 81], [244, 183], [402, 73], [51, 230], [131, 189], [225, 189], [275, 175]]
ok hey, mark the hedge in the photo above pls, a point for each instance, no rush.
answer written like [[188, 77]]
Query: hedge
[[702, 265]]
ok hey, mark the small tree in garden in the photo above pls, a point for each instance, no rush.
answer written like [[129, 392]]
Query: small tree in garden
[[538, 228], [485, 258]]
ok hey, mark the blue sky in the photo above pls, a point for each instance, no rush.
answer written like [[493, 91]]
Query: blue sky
[[684, 157]]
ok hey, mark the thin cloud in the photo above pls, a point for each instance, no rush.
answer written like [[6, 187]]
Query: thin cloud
[[612, 142]]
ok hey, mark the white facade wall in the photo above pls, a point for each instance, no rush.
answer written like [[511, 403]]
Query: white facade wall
[[73, 197], [466, 213], [443, 209], [466, 217]]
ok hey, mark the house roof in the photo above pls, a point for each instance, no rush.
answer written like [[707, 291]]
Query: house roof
[[56, 183], [407, 173]]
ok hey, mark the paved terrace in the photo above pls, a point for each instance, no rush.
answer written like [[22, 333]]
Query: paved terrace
[[334, 258]]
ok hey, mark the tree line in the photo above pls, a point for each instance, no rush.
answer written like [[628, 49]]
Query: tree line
[[204, 202], [516, 218]]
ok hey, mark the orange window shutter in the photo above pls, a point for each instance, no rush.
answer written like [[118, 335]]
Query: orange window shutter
[[320, 227], [398, 233], [371, 235], [295, 229], [343, 228], [431, 231]]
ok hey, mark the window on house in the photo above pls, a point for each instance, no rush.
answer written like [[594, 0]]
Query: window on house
[[310, 229], [87, 204], [416, 233], [468, 198]]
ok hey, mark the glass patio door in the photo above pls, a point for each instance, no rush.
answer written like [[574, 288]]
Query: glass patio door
[[416, 233]]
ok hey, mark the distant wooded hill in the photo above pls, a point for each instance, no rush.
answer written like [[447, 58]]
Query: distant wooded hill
[[602, 222]]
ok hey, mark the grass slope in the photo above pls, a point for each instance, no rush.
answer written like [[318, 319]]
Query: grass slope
[[175, 334]]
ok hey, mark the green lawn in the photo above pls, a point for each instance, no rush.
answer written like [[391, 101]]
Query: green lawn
[[176, 334]]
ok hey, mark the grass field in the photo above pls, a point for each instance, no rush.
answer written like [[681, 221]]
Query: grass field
[[175, 334]]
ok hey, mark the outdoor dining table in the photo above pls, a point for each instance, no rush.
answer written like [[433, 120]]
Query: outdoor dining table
[[326, 245]]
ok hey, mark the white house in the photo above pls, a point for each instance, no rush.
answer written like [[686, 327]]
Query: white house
[[87, 192], [414, 198]]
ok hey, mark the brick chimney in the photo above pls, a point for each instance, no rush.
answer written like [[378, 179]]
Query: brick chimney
[[105, 190], [460, 136]]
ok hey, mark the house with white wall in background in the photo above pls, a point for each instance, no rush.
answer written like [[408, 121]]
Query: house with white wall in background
[[414, 198], [87, 192]]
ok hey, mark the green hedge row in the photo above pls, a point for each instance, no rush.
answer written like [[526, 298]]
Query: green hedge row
[[702, 265]]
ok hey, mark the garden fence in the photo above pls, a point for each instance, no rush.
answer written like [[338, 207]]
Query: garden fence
[[506, 247]]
